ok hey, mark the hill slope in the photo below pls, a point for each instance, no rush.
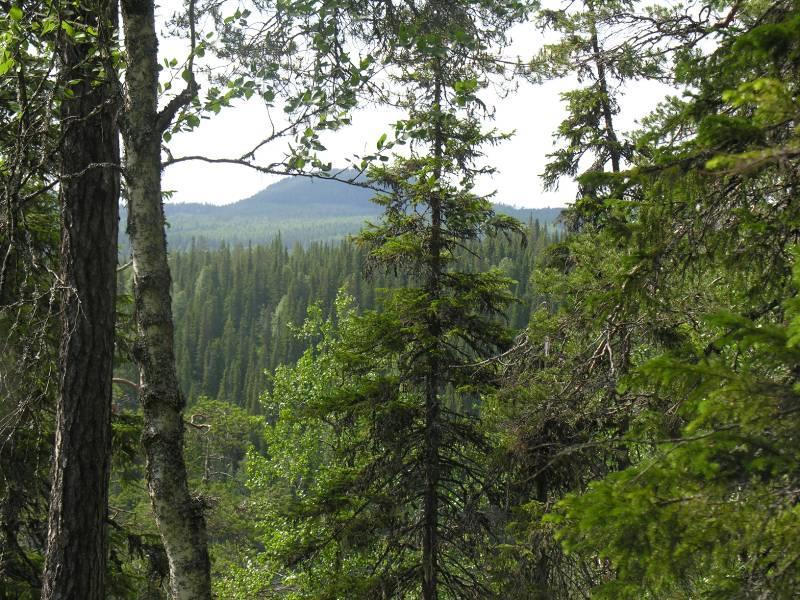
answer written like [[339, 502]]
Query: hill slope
[[300, 209]]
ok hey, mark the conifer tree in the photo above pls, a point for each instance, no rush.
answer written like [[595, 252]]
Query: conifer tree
[[588, 131], [75, 563], [662, 367], [606, 313], [711, 239], [409, 462]]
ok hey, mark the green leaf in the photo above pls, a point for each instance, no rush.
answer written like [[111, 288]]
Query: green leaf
[[15, 12], [6, 66]]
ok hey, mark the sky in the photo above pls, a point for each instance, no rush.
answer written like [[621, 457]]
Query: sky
[[532, 112]]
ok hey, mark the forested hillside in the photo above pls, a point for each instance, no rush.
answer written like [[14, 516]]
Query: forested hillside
[[235, 306], [299, 209], [451, 404]]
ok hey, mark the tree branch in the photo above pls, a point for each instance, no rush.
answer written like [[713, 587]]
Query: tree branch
[[167, 114]]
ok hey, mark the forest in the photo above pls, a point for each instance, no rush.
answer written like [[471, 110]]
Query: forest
[[449, 403]]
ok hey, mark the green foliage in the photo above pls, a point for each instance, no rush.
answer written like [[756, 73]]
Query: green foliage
[[299, 490], [234, 306], [711, 510], [658, 424], [638, 440]]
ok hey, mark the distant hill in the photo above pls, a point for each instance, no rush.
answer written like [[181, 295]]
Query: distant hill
[[300, 209]]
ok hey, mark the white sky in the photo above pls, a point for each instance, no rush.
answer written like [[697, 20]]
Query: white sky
[[533, 112]]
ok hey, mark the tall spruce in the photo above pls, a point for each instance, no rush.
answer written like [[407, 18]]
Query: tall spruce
[[600, 47], [445, 322], [404, 505]]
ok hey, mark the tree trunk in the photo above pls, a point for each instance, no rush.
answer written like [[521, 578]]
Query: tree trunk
[[179, 517], [75, 560], [433, 412], [430, 543], [605, 101]]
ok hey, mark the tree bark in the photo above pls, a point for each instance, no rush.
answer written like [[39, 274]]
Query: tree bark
[[75, 561], [180, 518]]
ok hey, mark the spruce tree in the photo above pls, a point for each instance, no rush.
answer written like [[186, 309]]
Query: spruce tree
[[713, 510], [408, 496], [663, 366]]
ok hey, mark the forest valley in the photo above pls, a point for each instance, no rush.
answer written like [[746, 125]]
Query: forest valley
[[451, 403]]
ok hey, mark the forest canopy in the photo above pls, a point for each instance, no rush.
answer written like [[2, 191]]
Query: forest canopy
[[450, 404]]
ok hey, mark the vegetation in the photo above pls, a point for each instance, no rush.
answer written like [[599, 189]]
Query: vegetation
[[299, 209], [657, 382], [234, 306], [452, 404]]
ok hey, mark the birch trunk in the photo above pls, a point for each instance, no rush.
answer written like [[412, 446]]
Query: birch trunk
[[75, 561], [180, 518]]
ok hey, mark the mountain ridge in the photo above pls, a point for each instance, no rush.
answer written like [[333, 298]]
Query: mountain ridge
[[300, 209]]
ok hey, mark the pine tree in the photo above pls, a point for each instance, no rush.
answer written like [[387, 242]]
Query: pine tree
[[77, 546]]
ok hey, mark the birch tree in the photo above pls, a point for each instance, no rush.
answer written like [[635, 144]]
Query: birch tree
[[316, 89], [179, 516]]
